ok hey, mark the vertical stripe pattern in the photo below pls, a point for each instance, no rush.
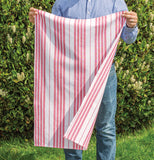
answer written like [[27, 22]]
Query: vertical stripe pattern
[[72, 62]]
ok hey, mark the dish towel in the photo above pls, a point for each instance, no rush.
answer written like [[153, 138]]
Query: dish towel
[[72, 62]]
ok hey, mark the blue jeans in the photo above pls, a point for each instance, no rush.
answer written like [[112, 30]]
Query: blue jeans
[[105, 124]]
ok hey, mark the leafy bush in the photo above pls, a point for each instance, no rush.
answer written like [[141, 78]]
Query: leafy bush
[[133, 65], [16, 67], [134, 72]]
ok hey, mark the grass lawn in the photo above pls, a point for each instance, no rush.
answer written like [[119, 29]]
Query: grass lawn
[[139, 146]]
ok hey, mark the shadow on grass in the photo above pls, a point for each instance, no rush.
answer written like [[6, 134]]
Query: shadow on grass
[[28, 157], [17, 156], [13, 154]]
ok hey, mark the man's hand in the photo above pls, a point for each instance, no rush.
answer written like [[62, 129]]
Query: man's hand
[[32, 13], [131, 18]]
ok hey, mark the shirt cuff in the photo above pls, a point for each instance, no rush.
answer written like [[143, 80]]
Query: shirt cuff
[[128, 29]]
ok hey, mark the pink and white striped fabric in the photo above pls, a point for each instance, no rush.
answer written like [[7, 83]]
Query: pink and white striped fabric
[[73, 58]]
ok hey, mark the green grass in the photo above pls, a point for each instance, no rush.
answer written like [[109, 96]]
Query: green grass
[[139, 146]]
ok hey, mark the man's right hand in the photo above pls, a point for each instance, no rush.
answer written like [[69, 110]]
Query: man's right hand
[[32, 13]]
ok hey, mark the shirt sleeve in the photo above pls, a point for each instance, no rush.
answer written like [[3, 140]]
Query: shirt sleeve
[[56, 9], [129, 35]]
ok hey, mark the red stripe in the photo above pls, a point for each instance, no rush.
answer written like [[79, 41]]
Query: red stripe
[[57, 144], [49, 82], [86, 142], [69, 78], [80, 73], [77, 70], [35, 80], [39, 67], [84, 78], [119, 22], [38, 105], [74, 67], [90, 57], [102, 24], [84, 68], [74, 72], [122, 19], [105, 36], [64, 80], [95, 46], [81, 48], [111, 31], [98, 44], [78, 58], [89, 134], [41, 78], [35, 83], [42, 74], [55, 83], [60, 83], [77, 75], [103, 48], [116, 27], [44, 81]]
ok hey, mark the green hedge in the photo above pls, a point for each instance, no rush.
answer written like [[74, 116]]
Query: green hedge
[[133, 65]]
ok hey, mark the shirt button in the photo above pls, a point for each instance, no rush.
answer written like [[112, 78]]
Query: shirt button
[[89, 0], [88, 12]]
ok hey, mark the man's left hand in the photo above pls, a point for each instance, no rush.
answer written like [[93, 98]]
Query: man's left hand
[[131, 18]]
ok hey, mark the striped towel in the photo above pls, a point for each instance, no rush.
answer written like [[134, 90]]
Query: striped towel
[[73, 58]]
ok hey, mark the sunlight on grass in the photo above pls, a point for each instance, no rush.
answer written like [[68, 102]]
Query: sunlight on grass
[[139, 146], [129, 147]]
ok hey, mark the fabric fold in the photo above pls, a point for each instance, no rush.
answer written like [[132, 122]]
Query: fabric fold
[[73, 58]]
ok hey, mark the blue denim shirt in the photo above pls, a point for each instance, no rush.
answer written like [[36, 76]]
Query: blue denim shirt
[[85, 9]]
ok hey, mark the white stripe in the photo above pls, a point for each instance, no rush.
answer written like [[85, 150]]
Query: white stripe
[[51, 81], [47, 98], [87, 54]]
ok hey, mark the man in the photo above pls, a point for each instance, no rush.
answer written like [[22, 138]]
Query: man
[[105, 123]]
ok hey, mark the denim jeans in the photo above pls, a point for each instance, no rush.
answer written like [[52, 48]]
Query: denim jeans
[[105, 124]]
